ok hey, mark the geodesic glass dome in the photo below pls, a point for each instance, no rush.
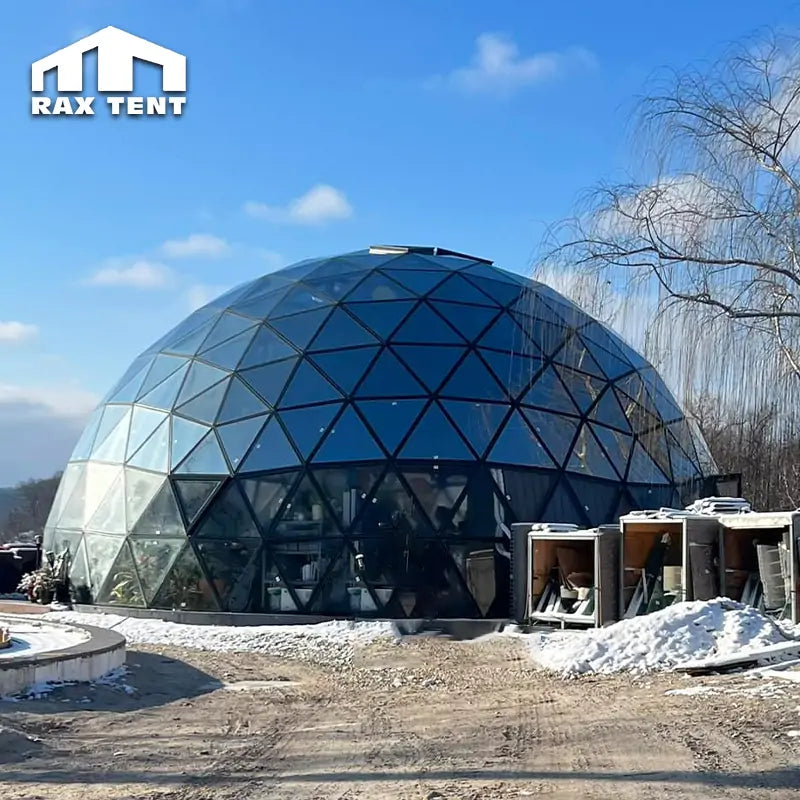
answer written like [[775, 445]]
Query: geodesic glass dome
[[354, 435]]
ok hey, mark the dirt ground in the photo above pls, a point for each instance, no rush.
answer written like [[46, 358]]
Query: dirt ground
[[425, 718]]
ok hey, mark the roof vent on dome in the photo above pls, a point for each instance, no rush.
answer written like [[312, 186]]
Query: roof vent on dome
[[398, 249]]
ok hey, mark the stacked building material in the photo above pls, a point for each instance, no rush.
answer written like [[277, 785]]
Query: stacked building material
[[720, 505]]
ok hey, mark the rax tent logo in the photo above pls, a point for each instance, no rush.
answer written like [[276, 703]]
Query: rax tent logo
[[116, 52]]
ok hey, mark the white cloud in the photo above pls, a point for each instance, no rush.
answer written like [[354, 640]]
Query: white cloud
[[14, 332], [138, 274], [200, 293], [320, 204], [198, 244], [497, 67]]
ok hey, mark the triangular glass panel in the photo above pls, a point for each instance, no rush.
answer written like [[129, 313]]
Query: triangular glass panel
[[233, 567], [267, 495], [153, 559], [228, 518], [616, 444], [654, 496], [564, 507], [655, 443], [416, 261], [185, 436], [121, 587], [109, 516], [575, 355], [345, 265], [73, 474], [199, 378], [345, 367], [505, 293], [79, 578], [607, 339], [228, 354], [473, 380], [130, 389], [205, 459], [239, 402], [348, 440], [419, 281], [186, 587], [460, 290], [260, 306], [608, 411], [526, 492], [299, 329], [334, 286], [110, 442], [161, 368], [470, 321], [99, 480], [378, 287], [266, 346], [83, 448], [434, 438], [191, 342], [431, 365], [643, 469], [305, 515], [517, 444], [298, 300], [588, 458], [308, 385], [547, 336], [514, 371], [612, 366], [347, 490], [227, 326], [236, 437], [639, 418], [549, 393], [101, 552], [154, 453], [425, 326], [390, 419], [584, 389], [194, 495], [192, 323], [143, 422], [440, 492], [506, 334], [389, 378], [572, 316], [382, 318], [598, 498], [140, 489], [556, 431], [70, 511], [269, 381], [270, 451], [161, 517], [205, 406], [497, 274], [477, 422], [307, 426], [163, 396], [341, 330]]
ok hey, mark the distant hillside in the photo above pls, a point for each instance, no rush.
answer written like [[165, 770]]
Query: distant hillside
[[9, 498]]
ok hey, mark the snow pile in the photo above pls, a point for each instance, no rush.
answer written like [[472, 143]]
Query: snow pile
[[676, 635], [324, 643]]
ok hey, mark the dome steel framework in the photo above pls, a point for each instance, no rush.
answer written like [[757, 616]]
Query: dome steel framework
[[354, 435]]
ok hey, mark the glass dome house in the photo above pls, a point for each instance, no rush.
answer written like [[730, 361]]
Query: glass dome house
[[354, 436]]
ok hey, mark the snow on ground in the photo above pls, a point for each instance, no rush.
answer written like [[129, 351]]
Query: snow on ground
[[678, 634], [325, 642], [30, 637]]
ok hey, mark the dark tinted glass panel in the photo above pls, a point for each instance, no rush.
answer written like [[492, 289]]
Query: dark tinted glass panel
[[300, 328], [205, 459], [307, 426], [164, 395], [378, 288], [608, 411], [122, 587], [505, 334], [308, 385], [525, 491], [347, 490], [345, 367], [598, 498], [389, 378], [549, 393], [555, 430], [266, 346], [306, 515], [589, 458], [564, 507], [575, 355], [161, 518], [228, 354], [185, 436], [390, 419], [517, 444], [239, 402], [392, 516], [470, 321], [639, 418], [334, 286], [300, 299], [270, 451], [514, 371], [485, 572], [383, 318], [642, 468], [186, 586], [493, 273], [442, 493], [205, 406], [612, 366], [434, 437], [267, 496], [419, 281], [193, 496], [236, 437], [227, 326], [548, 336], [472, 379], [460, 290], [261, 305], [233, 566], [227, 518], [584, 389], [501, 291], [655, 443], [199, 378], [153, 559], [430, 364], [268, 381], [341, 330], [616, 444], [424, 326], [478, 422], [348, 440]]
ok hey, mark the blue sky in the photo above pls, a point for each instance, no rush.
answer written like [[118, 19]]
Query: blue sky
[[311, 128]]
